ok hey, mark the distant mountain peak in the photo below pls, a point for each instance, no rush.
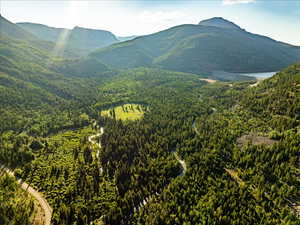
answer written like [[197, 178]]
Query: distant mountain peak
[[77, 28], [219, 22], [83, 28]]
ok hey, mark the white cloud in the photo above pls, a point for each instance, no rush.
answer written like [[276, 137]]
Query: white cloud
[[231, 2]]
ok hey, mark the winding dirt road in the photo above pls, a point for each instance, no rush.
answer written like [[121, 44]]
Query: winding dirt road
[[91, 138], [92, 141], [146, 200], [34, 193]]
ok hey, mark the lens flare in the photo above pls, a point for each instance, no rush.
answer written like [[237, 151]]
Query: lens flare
[[71, 15], [61, 43]]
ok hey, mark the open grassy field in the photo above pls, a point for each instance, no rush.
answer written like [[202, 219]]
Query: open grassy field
[[125, 112]]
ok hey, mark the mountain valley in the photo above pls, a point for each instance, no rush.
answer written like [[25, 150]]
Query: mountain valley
[[164, 128]]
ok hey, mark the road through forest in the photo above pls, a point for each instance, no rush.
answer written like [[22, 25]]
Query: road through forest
[[35, 194]]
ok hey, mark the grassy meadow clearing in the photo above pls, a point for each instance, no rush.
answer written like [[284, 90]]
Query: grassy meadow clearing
[[125, 112]]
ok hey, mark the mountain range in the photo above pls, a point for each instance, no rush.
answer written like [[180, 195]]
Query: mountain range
[[212, 45], [215, 48], [78, 38], [119, 135]]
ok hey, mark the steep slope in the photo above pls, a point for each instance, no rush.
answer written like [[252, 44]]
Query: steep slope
[[77, 38], [219, 22], [32, 82], [42, 31], [13, 31], [277, 97], [202, 49], [90, 38], [84, 67], [24, 73], [9, 29]]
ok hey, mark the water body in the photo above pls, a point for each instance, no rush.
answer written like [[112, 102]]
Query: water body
[[260, 75]]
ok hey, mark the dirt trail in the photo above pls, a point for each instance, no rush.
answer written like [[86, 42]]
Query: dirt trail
[[257, 82], [182, 163], [208, 80], [38, 196], [195, 128]]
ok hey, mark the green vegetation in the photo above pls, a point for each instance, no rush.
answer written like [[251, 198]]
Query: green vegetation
[[16, 206], [235, 175], [202, 49], [78, 39], [67, 170], [11, 30], [125, 112], [39, 94], [136, 163], [204, 153]]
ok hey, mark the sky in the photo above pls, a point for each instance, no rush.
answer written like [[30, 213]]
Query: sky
[[278, 19]]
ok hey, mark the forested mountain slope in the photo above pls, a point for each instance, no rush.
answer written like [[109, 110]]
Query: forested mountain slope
[[199, 152], [11, 30], [79, 38], [279, 95], [34, 83], [201, 49]]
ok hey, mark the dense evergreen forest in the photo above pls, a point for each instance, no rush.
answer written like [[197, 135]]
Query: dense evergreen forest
[[197, 153], [240, 145], [16, 207]]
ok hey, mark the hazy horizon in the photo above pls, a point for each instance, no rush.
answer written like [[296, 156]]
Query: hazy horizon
[[126, 18]]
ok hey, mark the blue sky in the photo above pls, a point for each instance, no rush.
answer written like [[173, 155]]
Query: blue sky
[[278, 19]]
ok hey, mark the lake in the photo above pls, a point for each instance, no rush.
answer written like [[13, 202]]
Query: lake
[[260, 75]]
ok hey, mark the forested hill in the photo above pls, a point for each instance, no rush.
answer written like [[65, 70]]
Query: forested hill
[[202, 49], [70, 43], [13, 31], [9, 29], [278, 95], [79, 38], [33, 84]]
